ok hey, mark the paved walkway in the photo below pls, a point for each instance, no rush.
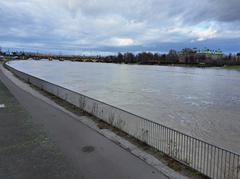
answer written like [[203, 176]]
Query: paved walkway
[[25, 151], [93, 155]]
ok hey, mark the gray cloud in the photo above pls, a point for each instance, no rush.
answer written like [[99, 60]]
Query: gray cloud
[[124, 25]]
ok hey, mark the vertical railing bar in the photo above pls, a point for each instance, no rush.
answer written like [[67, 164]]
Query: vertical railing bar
[[153, 137], [166, 145], [179, 155], [225, 163], [198, 154], [174, 144], [185, 148], [229, 165], [214, 162], [157, 136], [233, 167], [238, 166], [221, 164], [166, 138], [208, 160], [144, 130], [192, 151], [171, 139], [217, 162], [207, 155], [192, 142], [152, 130], [147, 137], [160, 137], [195, 156], [204, 157], [141, 132], [163, 138], [169, 145], [181, 146], [211, 161], [150, 134], [170, 134], [188, 150], [205, 160], [201, 158], [174, 135]]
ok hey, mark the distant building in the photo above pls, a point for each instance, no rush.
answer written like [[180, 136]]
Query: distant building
[[188, 55], [196, 56]]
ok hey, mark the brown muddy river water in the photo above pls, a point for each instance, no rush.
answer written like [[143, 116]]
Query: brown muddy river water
[[202, 102]]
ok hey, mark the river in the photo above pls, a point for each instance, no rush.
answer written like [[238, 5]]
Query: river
[[202, 102]]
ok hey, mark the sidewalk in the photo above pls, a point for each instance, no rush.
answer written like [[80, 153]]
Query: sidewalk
[[25, 151], [88, 152]]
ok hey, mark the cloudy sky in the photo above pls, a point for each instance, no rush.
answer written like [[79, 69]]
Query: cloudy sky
[[74, 26]]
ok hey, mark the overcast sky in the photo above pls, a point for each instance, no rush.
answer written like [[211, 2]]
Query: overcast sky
[[73, 26]]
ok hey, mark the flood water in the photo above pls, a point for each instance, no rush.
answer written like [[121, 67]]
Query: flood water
[[202, 102]]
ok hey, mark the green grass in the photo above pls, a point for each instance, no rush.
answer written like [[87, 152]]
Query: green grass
[[232, 67]]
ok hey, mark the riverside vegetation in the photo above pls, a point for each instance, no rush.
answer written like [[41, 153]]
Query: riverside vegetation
[[188, 57]]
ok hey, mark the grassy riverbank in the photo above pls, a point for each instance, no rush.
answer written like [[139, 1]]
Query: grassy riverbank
[[237, 67]]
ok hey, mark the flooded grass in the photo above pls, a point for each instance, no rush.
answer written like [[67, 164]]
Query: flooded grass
[[237, 67]]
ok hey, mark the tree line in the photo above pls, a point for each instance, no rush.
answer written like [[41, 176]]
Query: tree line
[[186, 56]]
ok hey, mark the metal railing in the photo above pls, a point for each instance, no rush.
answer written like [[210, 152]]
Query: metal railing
[[208, 159]]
